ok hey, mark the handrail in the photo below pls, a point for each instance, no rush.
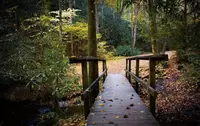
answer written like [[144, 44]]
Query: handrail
[[94, 82], [91, 91], [84, 59], [149, 89], [87, 95], [148, 57]]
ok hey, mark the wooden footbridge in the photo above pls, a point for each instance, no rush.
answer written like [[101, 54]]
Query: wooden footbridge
[[116, 102]]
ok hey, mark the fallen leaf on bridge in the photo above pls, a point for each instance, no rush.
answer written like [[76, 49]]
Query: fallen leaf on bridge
[[125, 116], [117, 117], [110, 100], [110, 122], [101, 104]]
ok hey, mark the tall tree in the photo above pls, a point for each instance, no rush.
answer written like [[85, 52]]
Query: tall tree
[[152, 11], [97, 15], [60, 20], [135, 11], [153, 26], [92, 43]]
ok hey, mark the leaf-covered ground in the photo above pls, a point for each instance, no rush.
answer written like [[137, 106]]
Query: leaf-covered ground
[[180, 102]]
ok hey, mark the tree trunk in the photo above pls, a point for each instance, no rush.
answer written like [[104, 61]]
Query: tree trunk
[[92, 44], [102, 9], [135, 21], [60, 21], [70, 44], [122, 8], [97, 17], [153, 27]]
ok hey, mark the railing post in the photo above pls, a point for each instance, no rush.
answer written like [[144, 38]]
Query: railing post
[[137, 74], [104, 67], [126, 68], [96, 92], [152, 64], [86, 98], [84, 75], [129, 69]]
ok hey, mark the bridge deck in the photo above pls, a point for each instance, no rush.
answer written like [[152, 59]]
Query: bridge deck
[[119, 105]]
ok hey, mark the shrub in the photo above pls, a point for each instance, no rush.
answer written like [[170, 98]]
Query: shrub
[[102, 50], [127, 50], [42, 60]]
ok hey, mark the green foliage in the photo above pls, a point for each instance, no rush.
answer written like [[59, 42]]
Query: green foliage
[[114, 30], [43, 61], [127, 50], [102, 50], [78, 30]]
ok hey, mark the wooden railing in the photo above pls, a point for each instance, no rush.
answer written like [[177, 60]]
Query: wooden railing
[[90, 91], [150, 86]]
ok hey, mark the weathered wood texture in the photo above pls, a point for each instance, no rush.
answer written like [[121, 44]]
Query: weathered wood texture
[[148, 57], [85, 59], [119, 105]]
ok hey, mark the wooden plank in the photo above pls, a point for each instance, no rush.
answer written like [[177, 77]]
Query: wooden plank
[[119, 105], [148, 57], [83, 59]]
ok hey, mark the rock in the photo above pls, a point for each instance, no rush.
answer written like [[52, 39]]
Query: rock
[[62, 104]]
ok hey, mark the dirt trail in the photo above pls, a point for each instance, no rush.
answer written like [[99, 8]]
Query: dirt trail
[[118, 66]]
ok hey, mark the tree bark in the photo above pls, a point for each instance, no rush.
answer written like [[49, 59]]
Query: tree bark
[[153, 27], [122, 8], [92, 44], [70, 44], [97, 17], [60, 21], [135, 21], [102, 9]]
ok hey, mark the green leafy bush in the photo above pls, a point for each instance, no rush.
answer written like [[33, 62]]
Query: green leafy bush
[[127, 50], [42, 60], [102, 50]]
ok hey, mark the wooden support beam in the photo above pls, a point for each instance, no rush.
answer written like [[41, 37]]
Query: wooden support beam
[[152, 64], [137, 74], [88, 95], [104, 67], [84, 75], [126, 68], [129, 69], [87, 104], [163, 57], [96, 89]]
